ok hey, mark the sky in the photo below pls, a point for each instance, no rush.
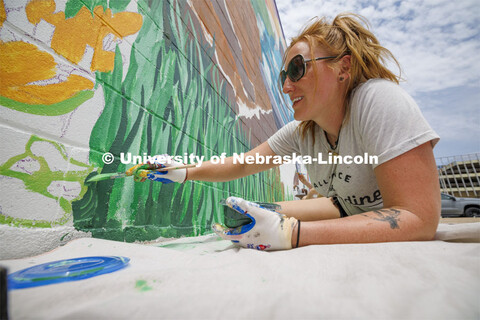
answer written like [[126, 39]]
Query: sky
[[437, 43]]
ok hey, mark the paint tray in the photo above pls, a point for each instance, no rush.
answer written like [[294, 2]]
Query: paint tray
[[65, 271], [234, 219]]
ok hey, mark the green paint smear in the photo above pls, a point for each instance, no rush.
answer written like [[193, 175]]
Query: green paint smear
[[54, 109], [172, 100], [142, 286], [70, 275], [63, 237], [178, 246], [25, 223], [72, 7], [40, 180]]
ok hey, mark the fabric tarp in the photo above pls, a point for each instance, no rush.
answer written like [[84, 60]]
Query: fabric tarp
[[206, 277]]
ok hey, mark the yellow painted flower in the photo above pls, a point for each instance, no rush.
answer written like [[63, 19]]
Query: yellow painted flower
[[73, 35], [23, 66], [23, 63]]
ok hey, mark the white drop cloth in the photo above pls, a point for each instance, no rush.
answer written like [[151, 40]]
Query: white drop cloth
[[208, 278]]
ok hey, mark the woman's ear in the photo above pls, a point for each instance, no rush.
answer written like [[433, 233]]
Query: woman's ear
[[345, 64]]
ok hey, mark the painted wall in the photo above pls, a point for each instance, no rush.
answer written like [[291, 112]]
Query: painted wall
[[80, 78]]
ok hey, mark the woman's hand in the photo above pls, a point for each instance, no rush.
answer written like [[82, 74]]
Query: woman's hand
[[269, 230]]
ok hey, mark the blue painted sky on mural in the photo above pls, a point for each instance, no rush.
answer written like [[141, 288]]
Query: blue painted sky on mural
[[437, 43]]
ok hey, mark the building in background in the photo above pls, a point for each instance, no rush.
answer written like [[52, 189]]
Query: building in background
[[460, 175]]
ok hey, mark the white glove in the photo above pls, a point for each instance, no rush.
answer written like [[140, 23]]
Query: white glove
[[145, 171], [269, 230]]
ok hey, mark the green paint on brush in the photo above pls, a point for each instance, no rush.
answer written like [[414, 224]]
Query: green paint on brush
[[106, 176]]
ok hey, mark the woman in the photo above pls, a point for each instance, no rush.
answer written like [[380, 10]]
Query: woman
[[345, 102], [312, 193]]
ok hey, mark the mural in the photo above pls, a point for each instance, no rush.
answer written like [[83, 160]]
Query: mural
[[82, 78]]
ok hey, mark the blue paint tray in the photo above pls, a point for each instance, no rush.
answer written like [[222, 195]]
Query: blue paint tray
[[64, 271]]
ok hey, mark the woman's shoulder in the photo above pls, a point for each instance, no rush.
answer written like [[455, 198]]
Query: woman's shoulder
[[294, 123], [382, 100], [291, 126], [376, 86], [379, 93], [288, 129]]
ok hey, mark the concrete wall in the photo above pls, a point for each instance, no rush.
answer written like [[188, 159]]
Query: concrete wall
[[83, 78]]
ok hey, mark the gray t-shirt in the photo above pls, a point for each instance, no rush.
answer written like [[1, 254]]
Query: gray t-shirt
[[384, 121]]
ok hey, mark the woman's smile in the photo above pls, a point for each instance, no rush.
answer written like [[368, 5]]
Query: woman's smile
[[296, 101]]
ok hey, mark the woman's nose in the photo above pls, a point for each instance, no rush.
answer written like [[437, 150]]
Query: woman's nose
[[288, 85]]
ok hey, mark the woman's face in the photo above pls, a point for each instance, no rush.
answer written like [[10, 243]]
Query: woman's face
[[314, 98]]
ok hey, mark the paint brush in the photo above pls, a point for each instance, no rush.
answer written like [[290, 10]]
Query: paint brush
[[106, 176], [115, 175], [177, 168]]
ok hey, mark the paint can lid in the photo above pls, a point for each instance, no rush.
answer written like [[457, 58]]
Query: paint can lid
[[65, 270]]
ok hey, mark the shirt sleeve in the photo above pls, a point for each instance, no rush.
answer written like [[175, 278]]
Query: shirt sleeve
[[285, 141], [389, 121]]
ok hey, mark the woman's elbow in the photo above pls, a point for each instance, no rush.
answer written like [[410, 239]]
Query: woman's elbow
[[428, 224]]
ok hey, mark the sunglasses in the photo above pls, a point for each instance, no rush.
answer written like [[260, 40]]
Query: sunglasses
[[296, 68]]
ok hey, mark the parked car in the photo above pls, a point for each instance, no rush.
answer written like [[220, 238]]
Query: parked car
[[460, 207]]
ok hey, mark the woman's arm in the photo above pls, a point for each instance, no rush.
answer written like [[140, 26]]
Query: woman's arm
[[312, 194], [411, 197], [309, 209], [311, 190], [230, 170], [304, 180]]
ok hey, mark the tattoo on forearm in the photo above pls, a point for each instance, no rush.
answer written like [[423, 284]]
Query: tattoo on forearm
[[388, 215]]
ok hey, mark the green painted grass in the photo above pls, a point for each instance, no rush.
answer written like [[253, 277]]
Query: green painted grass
[[173, 100]]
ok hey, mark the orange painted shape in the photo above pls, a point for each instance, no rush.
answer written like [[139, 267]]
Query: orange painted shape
[[72, 35], [21, 63], [48, 94], [103, 60], [36, 10], [3, 14], [120, 24]]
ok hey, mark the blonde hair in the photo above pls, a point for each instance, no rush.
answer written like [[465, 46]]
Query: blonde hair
[[347, 34]]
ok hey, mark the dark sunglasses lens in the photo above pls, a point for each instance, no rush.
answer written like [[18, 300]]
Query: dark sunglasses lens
[[283, 77], [296, 69]]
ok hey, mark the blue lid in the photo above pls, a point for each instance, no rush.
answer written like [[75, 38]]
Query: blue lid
[[65, 270]]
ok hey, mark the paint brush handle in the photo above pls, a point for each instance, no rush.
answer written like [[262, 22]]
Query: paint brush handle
[[177, 168], [107, 176]]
